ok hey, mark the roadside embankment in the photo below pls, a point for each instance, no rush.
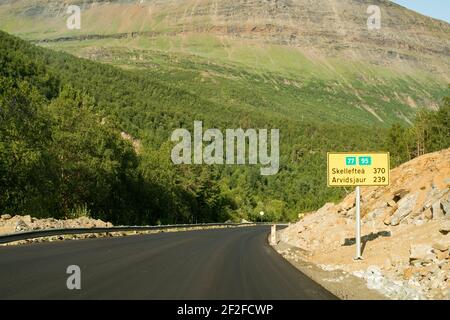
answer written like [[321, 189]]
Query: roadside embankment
[[405, 233]]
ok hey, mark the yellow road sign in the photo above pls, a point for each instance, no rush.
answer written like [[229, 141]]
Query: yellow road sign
[[358, 169]]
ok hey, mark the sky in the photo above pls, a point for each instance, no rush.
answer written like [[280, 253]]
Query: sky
[[439, 9]]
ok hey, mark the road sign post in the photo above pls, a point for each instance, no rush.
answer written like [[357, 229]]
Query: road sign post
[[358, 224], [357, 169]]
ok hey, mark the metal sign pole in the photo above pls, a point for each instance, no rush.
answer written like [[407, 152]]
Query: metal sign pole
[[358, 224]]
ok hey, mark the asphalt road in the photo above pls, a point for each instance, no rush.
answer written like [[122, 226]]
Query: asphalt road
[[234, 263]]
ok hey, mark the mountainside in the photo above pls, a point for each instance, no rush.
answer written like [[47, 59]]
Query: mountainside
[[154, 79], [304, 59], [70, 100]]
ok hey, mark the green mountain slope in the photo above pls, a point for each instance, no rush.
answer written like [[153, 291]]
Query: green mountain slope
[[150, 110], [311, 69], [303, 59]]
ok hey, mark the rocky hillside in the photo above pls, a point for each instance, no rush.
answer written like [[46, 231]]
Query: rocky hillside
[[405, 232], [321, 28], [10, 224]]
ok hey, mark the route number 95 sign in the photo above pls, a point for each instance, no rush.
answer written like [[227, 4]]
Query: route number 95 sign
[[357, 169]]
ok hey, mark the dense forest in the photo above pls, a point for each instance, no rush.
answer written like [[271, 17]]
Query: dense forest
[[63, 151], [429, 132]]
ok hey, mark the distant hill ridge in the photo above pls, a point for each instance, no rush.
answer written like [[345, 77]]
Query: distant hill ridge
[[382, 76]]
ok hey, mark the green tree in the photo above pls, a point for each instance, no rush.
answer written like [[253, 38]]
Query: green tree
[[24, 135], [93, 163]]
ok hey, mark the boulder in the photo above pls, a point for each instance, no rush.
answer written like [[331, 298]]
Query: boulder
[[441, 255], [392, 204], [421, 253], [374, 277], [405, 207], [437, 211], [350, 213], [27, 219], [409, 272], [445, 227], [428, 214], [347, 203], [388, 215], [399, 194], [373, 270], [374, 214], [387, 220], [445, 205], [5, 216], [432, 196], [442, 245], [20, 226], [445, 266]]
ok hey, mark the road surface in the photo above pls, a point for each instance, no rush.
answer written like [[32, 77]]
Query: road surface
[[234, 263]]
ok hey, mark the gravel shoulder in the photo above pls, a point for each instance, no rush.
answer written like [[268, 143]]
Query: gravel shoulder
[[342, 284]]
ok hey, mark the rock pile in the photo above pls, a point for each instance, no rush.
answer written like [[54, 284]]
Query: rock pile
[[429, 265], [405, 232], [11, 224]]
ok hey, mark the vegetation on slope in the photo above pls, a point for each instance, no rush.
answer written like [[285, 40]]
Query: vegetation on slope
[[61, 153], [430, 132], [301, 59]]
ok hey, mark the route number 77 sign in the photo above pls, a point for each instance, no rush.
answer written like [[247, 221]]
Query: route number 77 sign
[[346, 169], [358, 169]]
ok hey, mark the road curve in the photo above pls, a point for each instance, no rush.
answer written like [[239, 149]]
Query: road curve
[[234, 263]]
